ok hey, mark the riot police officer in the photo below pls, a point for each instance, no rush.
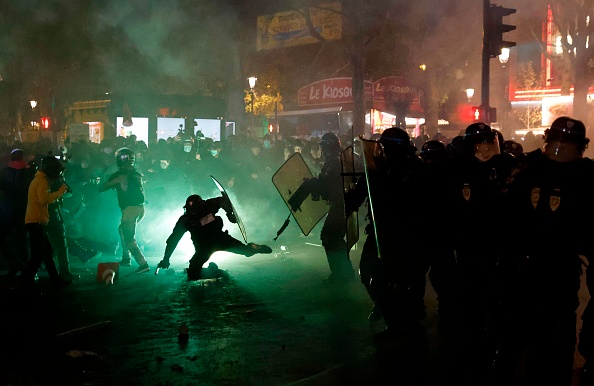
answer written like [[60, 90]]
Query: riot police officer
[[328, 186], [399, 283], [479, 175], [552, 195], [435, 210], [394, 275], [208, 236]]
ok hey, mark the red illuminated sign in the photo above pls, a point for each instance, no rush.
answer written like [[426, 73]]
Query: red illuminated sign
[[331, 92], [45, 122]]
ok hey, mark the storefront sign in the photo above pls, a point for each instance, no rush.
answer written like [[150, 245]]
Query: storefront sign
[[391, 90], [384, 94], [331, 92]]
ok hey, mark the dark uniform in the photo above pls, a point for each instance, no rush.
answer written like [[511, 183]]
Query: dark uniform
[[206, 231], [479, 177], [552, 197], [435, 211], [399, 283], [395, 280], [328, 186]]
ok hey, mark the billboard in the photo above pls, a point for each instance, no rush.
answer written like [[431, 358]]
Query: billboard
[[169, 127], [229, 129], [79, 132], [210, 128], [290, 29], [555, 107], [139, 128]]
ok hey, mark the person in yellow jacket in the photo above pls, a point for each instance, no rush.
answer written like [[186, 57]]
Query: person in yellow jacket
[[37, 218]]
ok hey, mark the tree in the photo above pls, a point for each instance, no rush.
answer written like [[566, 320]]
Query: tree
[[267, 97], [573, 53], [363, 21], [448, 50], [529, 116]]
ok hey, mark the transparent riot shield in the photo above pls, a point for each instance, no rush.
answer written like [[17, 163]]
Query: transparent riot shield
[[291, 182], [373, 155], [349, 180], [239, 222]]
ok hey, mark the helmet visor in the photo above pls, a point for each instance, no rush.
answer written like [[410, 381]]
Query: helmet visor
[[562, 151], [485, 150], [127, 159]]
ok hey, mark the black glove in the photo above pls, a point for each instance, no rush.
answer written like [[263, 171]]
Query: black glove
[[304, 190], [231, 217]]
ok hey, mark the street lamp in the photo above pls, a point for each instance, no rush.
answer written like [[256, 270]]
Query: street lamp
[[504, 56], [503, 59], [252, 82], [469, 93], [33, 104]]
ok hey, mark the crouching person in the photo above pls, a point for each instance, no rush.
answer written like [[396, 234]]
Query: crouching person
[[208, 236]]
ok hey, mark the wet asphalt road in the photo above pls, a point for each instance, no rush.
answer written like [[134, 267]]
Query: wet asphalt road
[[269, 322]]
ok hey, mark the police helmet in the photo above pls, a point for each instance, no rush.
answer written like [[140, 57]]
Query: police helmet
[[124, 157], [480, 133], [433, 151], [192, 203], [457, 146], [52, 166], [330, 143], [397, 139], [566, 129], [513, 147]]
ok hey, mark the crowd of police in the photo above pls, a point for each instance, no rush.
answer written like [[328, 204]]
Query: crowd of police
[[449, 213], [446, 212]]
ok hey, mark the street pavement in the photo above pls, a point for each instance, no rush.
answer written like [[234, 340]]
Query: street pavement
[[268, 321]]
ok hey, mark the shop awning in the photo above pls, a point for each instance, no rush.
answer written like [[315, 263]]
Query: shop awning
[[101, 104], [325, 110]]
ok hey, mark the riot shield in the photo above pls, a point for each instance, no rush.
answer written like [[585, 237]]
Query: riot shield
[[290, 180], [349, 180], [239, 222], [373, 154]]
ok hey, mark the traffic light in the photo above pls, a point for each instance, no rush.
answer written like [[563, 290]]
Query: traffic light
[[477, 114], [496, 28], [480, 115], [45, 123]]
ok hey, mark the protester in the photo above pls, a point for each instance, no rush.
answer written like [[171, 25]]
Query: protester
[[128, 184], [36, 221], [14, 185]]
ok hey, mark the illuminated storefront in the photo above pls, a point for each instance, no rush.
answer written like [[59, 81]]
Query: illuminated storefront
[[327, 105]]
